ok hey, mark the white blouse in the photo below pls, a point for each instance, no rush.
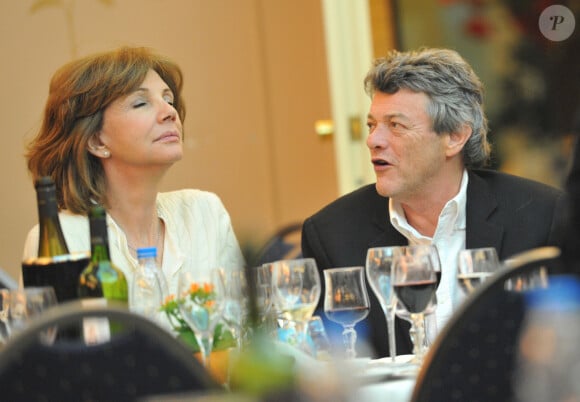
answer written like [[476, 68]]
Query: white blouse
[[198, 236]]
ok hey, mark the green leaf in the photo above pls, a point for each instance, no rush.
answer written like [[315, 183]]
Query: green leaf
[[189, 339]]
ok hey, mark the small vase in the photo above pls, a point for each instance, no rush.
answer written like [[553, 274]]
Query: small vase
[[218, 364]]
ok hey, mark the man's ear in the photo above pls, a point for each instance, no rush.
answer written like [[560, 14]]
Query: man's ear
[[457, 139]]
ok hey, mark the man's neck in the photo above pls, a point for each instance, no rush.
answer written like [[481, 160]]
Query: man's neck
[[423, 210]]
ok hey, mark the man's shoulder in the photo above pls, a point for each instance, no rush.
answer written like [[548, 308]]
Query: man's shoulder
[[501, 181], [363, 199]]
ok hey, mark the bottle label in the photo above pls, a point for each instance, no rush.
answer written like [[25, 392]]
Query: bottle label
[[96, 330]]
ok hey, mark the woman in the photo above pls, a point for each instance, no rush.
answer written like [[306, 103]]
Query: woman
[[112, 128]]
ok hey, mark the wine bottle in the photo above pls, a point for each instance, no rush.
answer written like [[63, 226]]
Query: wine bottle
[[54, 265], [101, 278], [51, 240]]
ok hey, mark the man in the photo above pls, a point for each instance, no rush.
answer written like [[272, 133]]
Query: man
[[427, 140]]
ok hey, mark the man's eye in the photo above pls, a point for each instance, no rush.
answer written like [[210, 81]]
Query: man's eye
[[139, 104]]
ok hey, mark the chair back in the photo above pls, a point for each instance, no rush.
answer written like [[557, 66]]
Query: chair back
[[140, 359], [285, 244], [473, 357]]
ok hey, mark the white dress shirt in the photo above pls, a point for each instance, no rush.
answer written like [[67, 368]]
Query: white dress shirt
[[449, 238]]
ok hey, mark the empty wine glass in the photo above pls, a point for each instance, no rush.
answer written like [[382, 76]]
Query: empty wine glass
[[296, 291], [346, 301], [414, 282], [25, 304], [264, 290], [236, 294], [378, 271], [4, 310], [474, 265], [201, 304]]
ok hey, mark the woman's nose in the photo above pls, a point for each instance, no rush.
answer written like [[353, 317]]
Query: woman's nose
[[168, 112]]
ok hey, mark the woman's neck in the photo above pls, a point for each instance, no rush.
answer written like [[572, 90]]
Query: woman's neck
[[133, 206]]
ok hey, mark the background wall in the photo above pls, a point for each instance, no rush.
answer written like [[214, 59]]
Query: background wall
[[255, 83]]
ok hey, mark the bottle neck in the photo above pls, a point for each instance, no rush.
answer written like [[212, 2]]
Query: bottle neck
[[99, 239], [51, 240]]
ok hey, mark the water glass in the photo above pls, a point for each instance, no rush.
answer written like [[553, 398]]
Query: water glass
[[319, 339], [474, 266], [20, 306], [346, 301]]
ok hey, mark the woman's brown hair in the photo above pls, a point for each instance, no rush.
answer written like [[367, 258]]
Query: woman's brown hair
[[78, 94]]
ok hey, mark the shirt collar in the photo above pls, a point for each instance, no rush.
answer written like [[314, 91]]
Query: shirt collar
[[452, 217]]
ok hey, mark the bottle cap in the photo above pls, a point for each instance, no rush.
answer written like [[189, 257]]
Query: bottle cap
[[145, 252], [562, 294]]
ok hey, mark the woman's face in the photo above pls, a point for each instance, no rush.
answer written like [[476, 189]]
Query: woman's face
[[143, 128]]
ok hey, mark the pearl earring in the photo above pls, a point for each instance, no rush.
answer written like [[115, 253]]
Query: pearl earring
[[106, 153]]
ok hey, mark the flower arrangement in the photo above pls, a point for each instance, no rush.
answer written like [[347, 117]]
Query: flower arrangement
[[202, 295]]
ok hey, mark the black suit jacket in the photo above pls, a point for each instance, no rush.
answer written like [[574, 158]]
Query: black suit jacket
[[509, 213]]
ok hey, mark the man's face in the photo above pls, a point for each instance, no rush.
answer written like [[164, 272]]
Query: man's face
[[405, 151]]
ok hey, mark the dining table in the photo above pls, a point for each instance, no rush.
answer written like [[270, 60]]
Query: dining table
[[358, 379], [382, 379]]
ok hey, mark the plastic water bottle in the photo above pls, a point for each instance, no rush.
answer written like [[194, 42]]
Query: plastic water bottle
[[149, 287], [548, 362]]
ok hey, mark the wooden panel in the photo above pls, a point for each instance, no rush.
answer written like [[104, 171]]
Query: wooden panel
[[297, 86], [383, 26], [255, 82]]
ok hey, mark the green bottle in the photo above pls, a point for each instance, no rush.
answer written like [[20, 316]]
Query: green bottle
[[51, 240], [101, 278]]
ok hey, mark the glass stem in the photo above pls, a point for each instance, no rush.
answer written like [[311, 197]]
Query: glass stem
[[205, 346], [390, 316], [303, 340], [418, 335], [349, 337]]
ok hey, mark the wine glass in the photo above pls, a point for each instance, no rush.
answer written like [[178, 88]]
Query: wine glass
[[201, 304], [319, 339], [266, 311], [346, 301], [474, 265], [4, 311], [25, 304], [236, 294], [296, 291], [378, 271], [264, 289], [414, 282]]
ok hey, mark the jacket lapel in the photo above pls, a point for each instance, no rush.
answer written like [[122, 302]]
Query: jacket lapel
[[481, 231], [385, 234]]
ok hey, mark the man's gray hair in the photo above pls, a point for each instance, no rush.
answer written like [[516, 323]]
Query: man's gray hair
[[454, 91]]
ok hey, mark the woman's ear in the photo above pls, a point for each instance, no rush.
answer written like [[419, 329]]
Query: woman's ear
[[97, 148], [457, 139]]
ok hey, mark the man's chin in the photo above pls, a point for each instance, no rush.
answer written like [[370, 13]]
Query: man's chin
[[383, 190]]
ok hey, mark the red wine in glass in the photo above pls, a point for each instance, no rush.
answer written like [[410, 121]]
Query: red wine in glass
[[415, 296]]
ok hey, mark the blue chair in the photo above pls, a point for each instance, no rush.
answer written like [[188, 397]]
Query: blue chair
[[140, 360], [285, 244], [474, 355]]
